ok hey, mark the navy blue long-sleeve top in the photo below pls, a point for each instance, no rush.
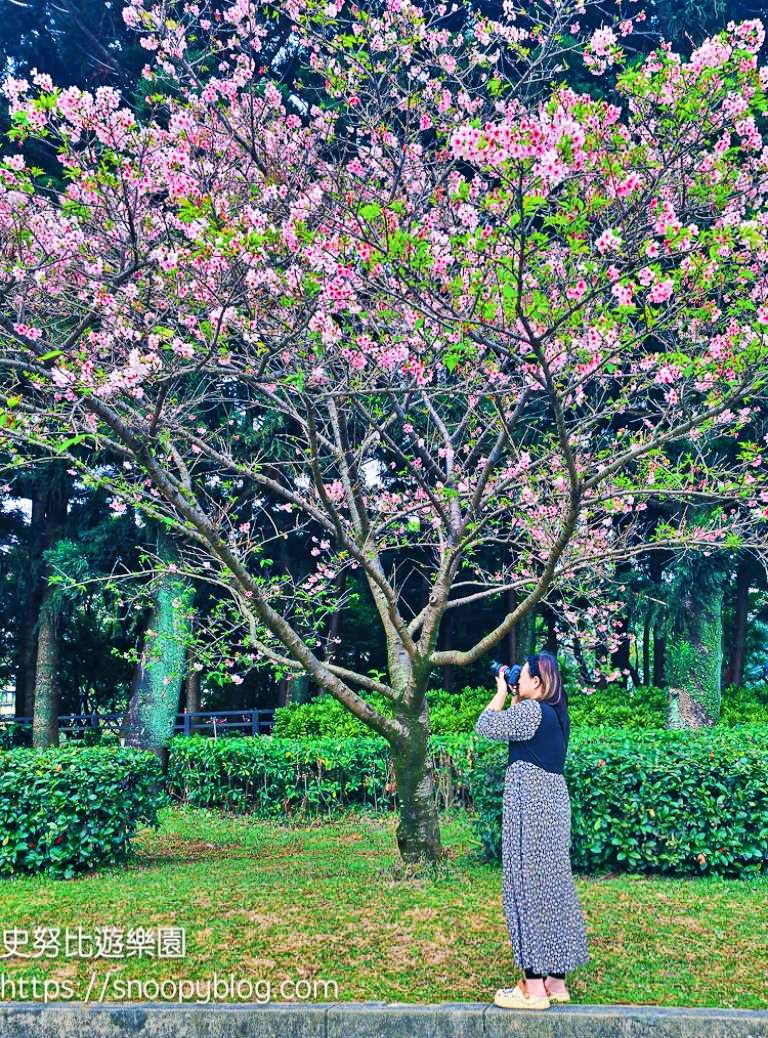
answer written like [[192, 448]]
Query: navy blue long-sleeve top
[[536, 731]]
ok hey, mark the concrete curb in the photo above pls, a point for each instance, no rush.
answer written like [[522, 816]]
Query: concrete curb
[[370, 1020]]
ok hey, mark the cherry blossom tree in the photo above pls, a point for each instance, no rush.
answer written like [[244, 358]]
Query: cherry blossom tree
[[442, 327]]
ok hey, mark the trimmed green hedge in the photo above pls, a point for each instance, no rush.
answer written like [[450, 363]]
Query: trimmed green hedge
[[269, 776], [669, 802], [455, 712], [63, 811], [655, 801]]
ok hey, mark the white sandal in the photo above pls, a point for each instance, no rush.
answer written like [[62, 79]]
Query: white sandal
[[518, 998]]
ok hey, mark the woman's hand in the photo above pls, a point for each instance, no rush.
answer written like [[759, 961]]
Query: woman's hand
[[502, 686], [502, 691]]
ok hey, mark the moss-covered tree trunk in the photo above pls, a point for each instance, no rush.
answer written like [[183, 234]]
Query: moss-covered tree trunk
[[151, 715], [45, 719], [694, 647]]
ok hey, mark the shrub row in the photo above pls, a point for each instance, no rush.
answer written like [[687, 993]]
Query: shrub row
[[669, 802], [270, 776], [659, 801], [63, 811], [455, 712]]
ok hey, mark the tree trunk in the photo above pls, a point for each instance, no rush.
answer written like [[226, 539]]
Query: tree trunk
[[620, 658], [659, 656], [45, 715], [550, 642], [45, 724], [334, 628], [646, 651], [418, 828], [283, 692], [151, 714], [525, 636], [299, 688], [30, 616], [193, 680], [657, 563], [734, 674], [578, 652], [512, 637], [695, 651], [192, 691]]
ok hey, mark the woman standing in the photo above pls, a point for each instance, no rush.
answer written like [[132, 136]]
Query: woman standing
[[542, 909]]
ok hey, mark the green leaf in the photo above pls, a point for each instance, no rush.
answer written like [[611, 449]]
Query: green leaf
[[371, 210], [71, 442]]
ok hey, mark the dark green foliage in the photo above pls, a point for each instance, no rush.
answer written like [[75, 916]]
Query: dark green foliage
[[620, 707], [670, 802], [324, 716], [744, 705], [63, 811], [448, 712], [457, 711], [13, 734]]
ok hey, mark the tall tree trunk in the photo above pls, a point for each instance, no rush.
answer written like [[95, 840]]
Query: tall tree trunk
[[45, 715], [30, 616], [646, 651], [620, 657], [299, 688], [151, 714], [193, 679], [512, 638], [522, 638], [334, 627], [695, 650], [658, 560], [525, 636], [45, 724], [192, 691], [659, 656], [550, 642], [578, 653], [283, 692], [734, 673]]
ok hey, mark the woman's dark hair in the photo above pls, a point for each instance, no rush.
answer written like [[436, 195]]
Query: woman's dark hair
[[544, 665]]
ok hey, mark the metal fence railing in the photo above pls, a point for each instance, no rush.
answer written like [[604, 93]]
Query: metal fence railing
[[206, 722]]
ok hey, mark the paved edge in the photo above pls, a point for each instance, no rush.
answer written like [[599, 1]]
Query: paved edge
[[370, 1020]]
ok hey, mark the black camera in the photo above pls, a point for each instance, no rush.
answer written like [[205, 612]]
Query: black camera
[[511, 674]]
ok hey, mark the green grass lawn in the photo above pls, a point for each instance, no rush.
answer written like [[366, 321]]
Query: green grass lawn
[[319, 901]]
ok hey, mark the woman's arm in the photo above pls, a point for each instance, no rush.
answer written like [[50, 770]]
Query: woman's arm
[[518, 723], [502, 691]]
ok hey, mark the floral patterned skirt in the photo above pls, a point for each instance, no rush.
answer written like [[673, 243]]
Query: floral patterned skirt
[[543, 912]]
